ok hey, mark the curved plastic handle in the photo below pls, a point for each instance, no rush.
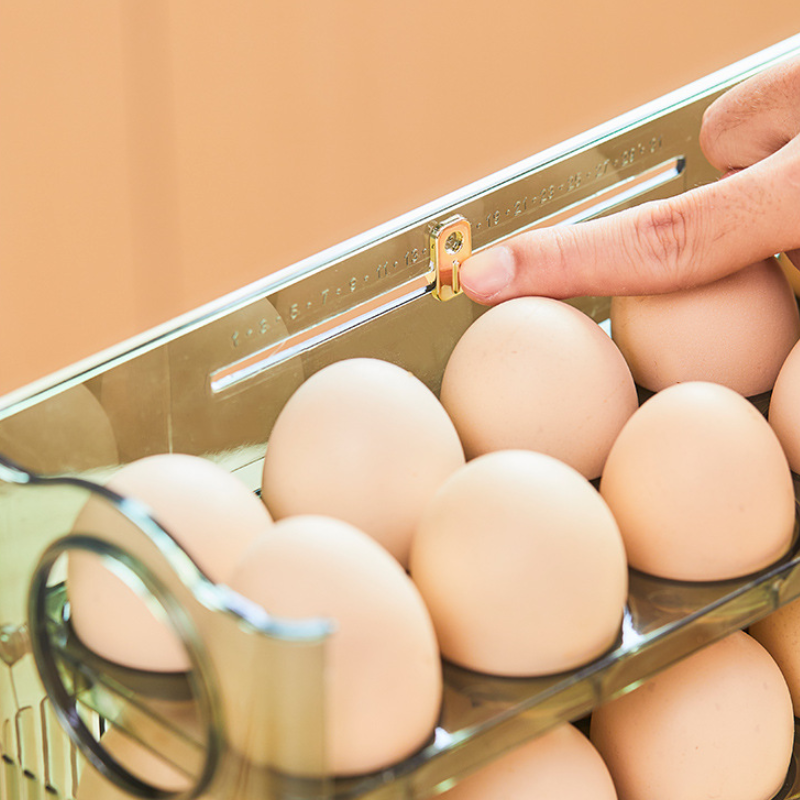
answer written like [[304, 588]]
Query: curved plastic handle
[[257, 680]]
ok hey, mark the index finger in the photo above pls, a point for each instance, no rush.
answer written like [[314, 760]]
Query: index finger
[[661, 246]]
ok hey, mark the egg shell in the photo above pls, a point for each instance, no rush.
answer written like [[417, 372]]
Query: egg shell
[[736, 331], [562, 764], [142, 761], [784, 408], [208, 511], [521, 565], [384, 682], [779, 633], [537, 374], [700, 486], [364, 441], [67, 433], [717, 724]]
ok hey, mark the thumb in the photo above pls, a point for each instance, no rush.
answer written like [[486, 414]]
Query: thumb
[[661, 246]]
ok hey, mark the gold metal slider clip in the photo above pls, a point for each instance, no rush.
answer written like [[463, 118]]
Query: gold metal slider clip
[[451, 243]]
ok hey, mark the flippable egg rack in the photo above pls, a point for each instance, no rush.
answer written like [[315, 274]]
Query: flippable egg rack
[[211, 384]]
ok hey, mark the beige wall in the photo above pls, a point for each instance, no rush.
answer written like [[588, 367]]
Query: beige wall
[[155, 155]]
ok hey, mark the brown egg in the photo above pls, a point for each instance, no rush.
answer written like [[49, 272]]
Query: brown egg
[[784, 408], [735, 331], [211, 514], [383, 679], [141, 760], [718, 724], [366, 442], [699, 486], [521, 565], [68, 432], [779, 633], [537, 374], [559, 765]]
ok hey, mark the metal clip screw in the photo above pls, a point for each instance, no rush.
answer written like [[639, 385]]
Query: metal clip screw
[[454, 242]]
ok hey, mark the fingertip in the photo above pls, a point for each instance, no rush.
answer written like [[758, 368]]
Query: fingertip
[[485, 275]]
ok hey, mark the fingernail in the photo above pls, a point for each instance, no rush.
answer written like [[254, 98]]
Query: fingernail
[[487, 273]]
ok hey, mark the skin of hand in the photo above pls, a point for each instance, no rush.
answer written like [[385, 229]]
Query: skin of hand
[[752, 135]]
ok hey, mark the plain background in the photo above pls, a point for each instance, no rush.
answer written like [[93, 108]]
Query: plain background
[[156, 155]]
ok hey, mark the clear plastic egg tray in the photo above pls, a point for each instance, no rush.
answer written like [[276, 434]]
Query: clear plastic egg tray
[[211, 384]]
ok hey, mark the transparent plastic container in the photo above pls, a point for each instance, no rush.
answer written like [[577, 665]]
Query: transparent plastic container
[[211, 384]]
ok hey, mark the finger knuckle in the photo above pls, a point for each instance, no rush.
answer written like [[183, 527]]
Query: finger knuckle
[[666, 239]]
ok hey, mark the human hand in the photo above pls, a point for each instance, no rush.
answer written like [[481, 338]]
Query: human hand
[[751, 134]]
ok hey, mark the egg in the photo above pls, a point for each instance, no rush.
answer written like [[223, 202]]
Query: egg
[[699, 486], [208, 511], [537, 374], [779, 633], [736, 331], [69, 432], [383, 670], [561, 764], [718, 724], [521, 565], [364, 441], [784, 407], [144, 761]]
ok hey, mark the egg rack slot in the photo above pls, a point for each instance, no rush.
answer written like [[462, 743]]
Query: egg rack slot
[[211, 384]]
